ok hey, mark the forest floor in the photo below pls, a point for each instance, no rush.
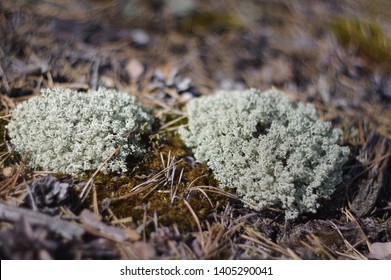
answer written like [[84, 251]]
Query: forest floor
[[335, 54]]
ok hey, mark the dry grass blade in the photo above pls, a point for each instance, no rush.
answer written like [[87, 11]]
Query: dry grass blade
[[219, 191], [170, 123], [215, 240], [87, 187], [9, 183], [351, 217], [353, 252], [154, 182], [267, 246], [4, 155], [6, 117], [201, 235], [95, 200], [6, 103], [203, 193], [174, 187], [316, 246], [164, 177]]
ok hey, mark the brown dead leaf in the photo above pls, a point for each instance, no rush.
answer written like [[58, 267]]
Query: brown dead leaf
[[380, 251], [135, 69]]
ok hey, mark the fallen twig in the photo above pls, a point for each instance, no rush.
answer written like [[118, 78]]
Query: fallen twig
[[66, 229]]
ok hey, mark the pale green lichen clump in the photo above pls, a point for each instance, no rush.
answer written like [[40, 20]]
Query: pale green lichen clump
[[274, 151], [71, 132]]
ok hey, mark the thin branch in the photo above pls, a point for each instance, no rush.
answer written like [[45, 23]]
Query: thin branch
[[87, 187], [66, 229]]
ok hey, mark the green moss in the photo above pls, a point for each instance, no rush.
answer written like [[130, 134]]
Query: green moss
[[220, 22], [366, 36], [156, 198]]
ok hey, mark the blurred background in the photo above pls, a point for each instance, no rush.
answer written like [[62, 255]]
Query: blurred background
[[336, 53]]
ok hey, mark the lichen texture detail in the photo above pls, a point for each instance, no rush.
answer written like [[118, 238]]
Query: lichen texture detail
[[274, 151], [71, 132]]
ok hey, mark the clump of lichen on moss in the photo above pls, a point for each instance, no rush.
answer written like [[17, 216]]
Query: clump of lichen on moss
[[272, 150], [73, 132]]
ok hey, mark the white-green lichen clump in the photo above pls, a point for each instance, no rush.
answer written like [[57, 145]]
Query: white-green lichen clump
[[71, 132], [274, 151]]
